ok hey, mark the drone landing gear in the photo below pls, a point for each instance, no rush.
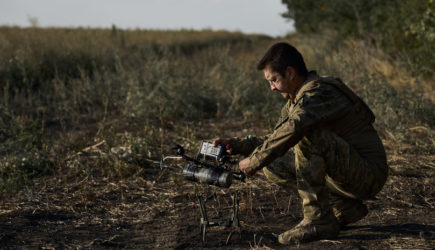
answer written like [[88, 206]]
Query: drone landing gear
[[233, 222]]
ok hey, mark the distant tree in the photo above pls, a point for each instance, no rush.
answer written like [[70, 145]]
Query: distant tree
[[403, 25]]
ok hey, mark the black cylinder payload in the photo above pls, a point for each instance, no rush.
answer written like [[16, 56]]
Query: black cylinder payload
[[216, 176]]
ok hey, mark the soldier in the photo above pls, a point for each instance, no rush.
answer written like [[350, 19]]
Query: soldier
[[323, 145]]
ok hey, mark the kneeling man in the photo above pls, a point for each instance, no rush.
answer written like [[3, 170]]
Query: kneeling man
[[323, 145]]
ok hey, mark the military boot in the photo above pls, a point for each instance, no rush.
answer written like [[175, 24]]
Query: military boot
[[310, 230], [348, 210]]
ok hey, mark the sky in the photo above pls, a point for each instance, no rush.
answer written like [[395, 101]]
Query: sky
[[247, 16]]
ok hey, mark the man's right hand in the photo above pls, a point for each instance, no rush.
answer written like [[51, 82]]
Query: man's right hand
[[245, 167]]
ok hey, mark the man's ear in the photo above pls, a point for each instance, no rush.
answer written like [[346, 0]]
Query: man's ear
[[290, 72]]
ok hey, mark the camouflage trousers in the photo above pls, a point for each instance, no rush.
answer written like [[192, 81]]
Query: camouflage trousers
[[323, 163]]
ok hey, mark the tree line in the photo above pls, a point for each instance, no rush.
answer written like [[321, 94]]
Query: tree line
[[401, 27]]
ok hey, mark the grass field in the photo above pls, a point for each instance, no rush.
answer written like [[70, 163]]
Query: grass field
[[84, 108]]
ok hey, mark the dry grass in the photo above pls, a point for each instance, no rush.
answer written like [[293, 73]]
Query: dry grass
[[84, 112], [101, 102]]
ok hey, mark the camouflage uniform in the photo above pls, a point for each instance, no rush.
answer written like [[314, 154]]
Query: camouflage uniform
[[335, 147]]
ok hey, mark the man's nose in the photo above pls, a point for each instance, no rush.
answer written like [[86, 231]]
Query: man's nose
[[272, 86]]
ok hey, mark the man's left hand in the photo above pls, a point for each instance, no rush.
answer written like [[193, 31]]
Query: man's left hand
[[245, 167]]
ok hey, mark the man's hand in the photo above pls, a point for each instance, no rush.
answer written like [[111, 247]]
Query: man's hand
[[228, 143], [245, 167], [222, 141]]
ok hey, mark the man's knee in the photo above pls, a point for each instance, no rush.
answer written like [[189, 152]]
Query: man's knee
[[317, 141], [282, 171], [323, 153]]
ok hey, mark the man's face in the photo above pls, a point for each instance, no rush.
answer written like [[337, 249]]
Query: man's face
[[278, 82]]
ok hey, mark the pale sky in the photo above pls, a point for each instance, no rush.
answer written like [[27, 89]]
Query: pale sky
[[248, 16]]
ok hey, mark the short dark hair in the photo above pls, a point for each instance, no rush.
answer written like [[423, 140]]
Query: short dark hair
[[280, 56]]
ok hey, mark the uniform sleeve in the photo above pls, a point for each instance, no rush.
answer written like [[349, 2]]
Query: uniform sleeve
[[246, 146], [315, 105]]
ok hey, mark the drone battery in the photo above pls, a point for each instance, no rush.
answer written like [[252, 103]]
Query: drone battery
[[207, 150], [212, 176]]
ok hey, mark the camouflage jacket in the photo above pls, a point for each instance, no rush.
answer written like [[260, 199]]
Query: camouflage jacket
[[320, 103]]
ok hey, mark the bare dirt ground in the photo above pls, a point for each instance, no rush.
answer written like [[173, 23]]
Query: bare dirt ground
[[160, 211]]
